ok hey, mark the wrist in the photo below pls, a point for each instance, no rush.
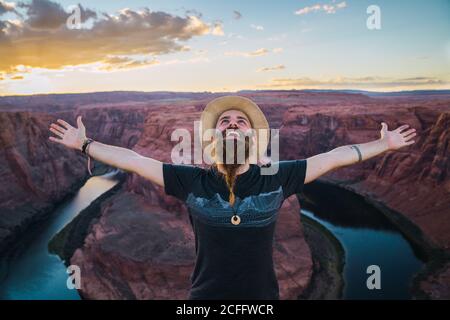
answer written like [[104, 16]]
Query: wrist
[[80, 144], [85, 143], [384, 144]]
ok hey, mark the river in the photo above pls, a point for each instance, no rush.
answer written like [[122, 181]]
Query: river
[[32, 272]]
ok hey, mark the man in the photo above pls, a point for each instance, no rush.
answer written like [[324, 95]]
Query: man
[[232, 206]]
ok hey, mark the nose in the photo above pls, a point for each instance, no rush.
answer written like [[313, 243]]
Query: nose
[[232, 125]]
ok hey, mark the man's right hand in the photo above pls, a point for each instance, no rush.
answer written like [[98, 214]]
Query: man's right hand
[[69, 136]]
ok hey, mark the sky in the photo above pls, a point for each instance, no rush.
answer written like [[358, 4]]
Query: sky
[[210, 45]]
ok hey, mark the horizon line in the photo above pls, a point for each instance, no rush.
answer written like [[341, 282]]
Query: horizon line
[[235, 91]]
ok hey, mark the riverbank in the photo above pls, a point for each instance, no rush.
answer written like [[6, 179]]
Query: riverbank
[[72, 236], [328, 256]]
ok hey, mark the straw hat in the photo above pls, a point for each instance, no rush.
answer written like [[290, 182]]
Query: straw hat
[[216, 107]]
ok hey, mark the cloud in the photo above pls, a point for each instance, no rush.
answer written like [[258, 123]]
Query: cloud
[[121, 63], [7, 7], [217, 29], [17, 78], [193, 12], [274, 68], [256, 27], [41, 38], [277, 50], [369, 82], [237, 15], [256, 53], [327, 8]]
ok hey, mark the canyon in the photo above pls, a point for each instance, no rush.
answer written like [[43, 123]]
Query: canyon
[[141, 246]]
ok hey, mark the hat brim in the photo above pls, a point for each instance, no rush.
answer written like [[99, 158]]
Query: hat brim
[[216, 107]]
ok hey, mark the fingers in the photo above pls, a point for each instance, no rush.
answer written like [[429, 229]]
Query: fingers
[[410, 136], [408, 132], [55, 139], [79, 122], [409, 142], [384, 126], [65, 124], [401, 128], [58, 133], [59, 128]]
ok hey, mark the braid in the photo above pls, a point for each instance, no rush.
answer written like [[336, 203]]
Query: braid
[[230, 179]]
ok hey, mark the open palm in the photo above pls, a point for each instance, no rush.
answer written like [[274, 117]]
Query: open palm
[[397, 138], [69, 136]]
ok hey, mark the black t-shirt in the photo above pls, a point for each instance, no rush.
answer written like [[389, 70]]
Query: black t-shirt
[[234, 261]]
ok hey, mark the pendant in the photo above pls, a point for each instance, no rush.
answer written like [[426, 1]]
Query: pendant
[[235, 220]]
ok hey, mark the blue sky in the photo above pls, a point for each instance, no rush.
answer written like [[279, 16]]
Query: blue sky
[[268, 47]]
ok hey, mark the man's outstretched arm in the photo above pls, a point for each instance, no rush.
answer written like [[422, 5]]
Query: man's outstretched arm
[[117, 157], [346, 155]]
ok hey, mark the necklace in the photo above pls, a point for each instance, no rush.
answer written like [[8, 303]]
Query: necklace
[[235, 219]]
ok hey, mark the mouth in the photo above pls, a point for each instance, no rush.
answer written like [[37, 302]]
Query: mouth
[[233, 134]]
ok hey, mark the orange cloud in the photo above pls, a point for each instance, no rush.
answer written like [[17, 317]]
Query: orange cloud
[[120, 63], [41, 39]]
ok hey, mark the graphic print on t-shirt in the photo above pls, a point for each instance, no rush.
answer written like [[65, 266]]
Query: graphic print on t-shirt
[[254, 210]]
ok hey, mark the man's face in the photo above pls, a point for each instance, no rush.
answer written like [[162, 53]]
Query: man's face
[[233, 120], [234, 125]]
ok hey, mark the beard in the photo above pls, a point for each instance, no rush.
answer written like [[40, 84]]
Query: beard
[[234, 153]]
